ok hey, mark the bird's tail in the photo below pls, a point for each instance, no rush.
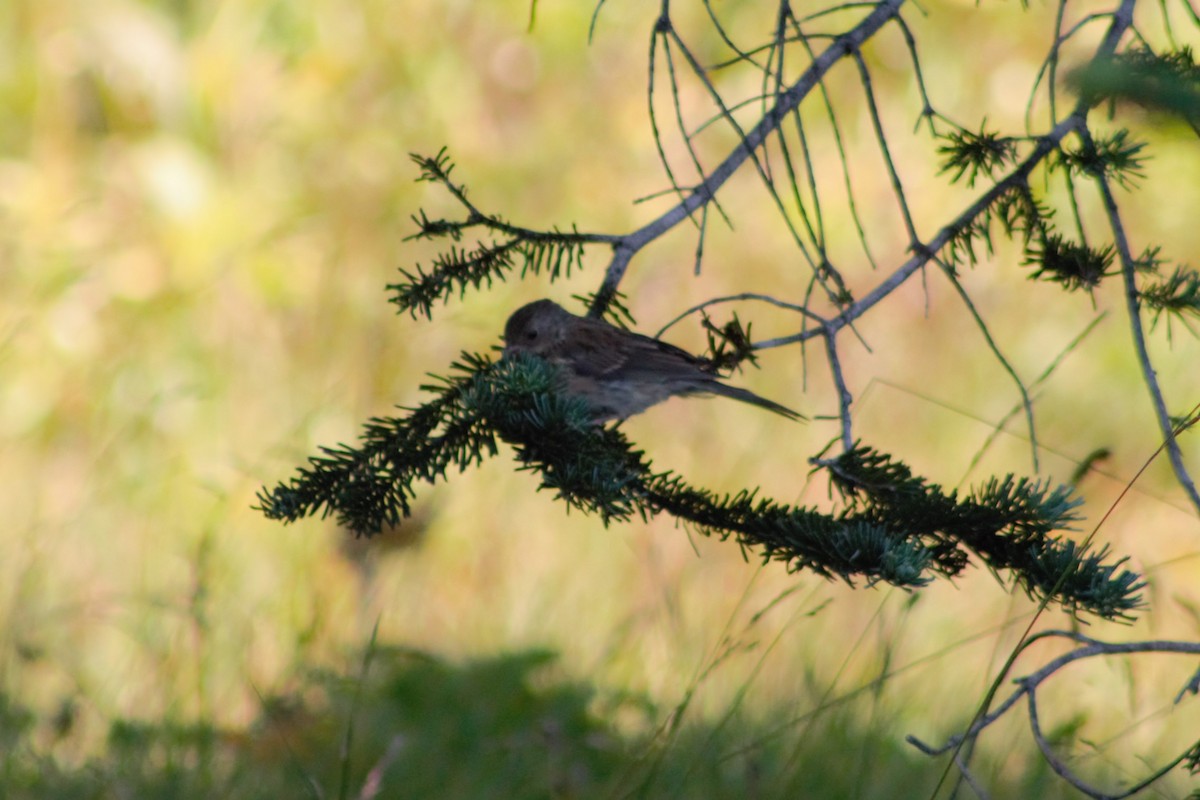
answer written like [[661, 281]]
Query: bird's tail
[[747, 396]]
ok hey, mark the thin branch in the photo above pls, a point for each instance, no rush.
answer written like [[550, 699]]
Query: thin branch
[[1028, 686], [760, 165], [927, 112], [843, 159], [629, 245], [881, 137], [817, 235], [742, 55], [995, 348], [1060, 766], [656, 134], [799, 309], [677, 105], [845, 399], [1018, 176], [1046, 373], [1133, 306]]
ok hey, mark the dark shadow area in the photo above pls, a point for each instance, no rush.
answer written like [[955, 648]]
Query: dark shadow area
[[511, 726]]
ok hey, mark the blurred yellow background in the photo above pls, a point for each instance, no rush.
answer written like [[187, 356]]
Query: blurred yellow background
[[200, 206]]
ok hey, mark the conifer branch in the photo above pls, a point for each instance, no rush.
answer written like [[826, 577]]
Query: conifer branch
[[894, 526], [458, 269], [1177, 296]]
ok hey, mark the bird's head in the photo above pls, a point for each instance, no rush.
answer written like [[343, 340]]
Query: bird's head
[[536, 327]]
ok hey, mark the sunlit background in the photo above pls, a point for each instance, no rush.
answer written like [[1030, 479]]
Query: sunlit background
[[200, 206]]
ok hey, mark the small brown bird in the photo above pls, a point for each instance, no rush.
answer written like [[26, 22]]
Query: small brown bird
[[619, 373]]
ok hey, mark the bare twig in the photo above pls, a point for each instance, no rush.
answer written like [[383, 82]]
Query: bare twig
[[1133, 305], [1027, 688], [630, 245]]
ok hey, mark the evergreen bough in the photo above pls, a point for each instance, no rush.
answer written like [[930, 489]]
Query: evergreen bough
[[893, 526]]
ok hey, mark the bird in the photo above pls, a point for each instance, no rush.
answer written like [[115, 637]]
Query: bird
[[618, 373]]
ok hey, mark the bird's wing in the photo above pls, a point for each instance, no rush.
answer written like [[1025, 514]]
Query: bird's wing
[[654, 360], [601, 351], [593, 350], [651, 358]]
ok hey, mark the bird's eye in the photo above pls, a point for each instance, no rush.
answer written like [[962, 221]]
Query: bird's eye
[[531, 334]]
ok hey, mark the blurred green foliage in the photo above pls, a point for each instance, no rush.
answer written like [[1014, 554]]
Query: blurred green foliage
[[503, 727]]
